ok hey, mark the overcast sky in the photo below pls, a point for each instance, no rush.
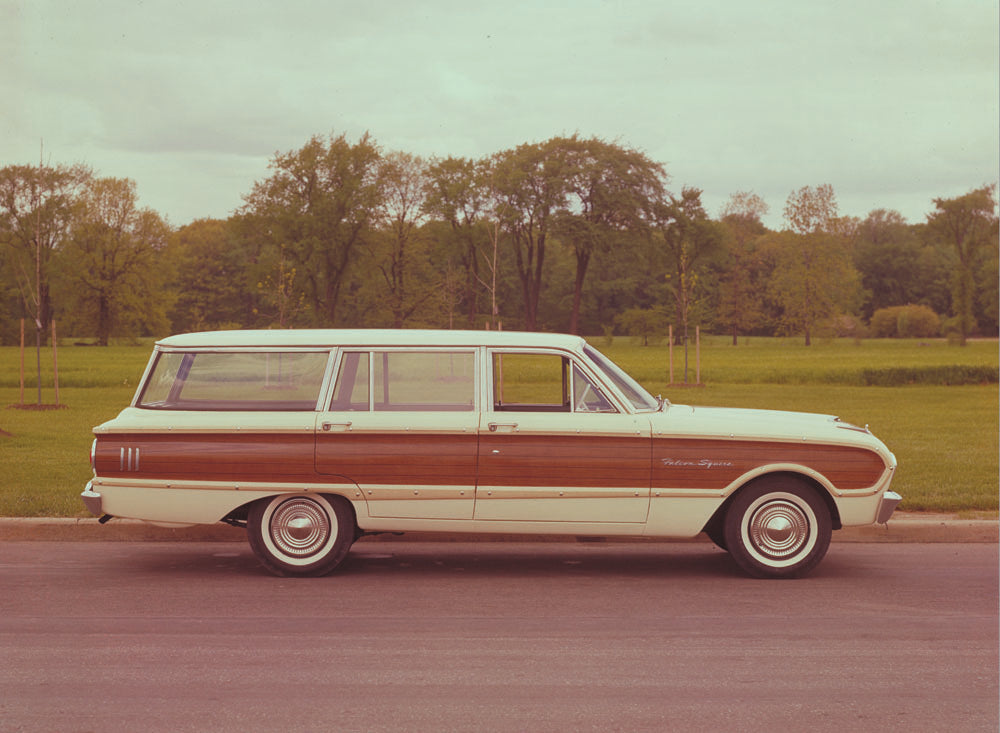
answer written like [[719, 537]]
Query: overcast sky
[[893, 102]]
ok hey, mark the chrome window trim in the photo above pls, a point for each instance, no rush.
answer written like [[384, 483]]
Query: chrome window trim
[[474, 351], [159, 350], [575, 359]]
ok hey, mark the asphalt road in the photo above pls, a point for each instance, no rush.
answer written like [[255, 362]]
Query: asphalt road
[[104, 636]]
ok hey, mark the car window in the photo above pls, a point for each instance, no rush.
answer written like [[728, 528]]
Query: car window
[[587, 396], [640, 398], [414, 381], [235, 380], [537, 382], [353, 386]]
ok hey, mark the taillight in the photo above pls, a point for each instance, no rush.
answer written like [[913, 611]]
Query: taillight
[[93, 456]]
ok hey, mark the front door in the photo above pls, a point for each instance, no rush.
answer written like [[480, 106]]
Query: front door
[[552, 447]]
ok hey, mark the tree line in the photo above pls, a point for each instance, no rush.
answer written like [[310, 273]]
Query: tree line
[[570, 234]]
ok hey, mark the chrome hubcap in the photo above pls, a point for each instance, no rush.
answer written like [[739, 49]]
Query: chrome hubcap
[[299, 527], [779, 528]]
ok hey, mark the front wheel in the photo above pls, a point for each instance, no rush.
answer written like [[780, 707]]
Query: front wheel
[[298, 535], [778, 528]]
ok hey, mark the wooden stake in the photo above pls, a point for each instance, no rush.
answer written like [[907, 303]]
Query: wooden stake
[[55, 360], [697, 354], [670, 337], [22, 361]]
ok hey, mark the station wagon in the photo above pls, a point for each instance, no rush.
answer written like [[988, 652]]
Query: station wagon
[[311, 439]]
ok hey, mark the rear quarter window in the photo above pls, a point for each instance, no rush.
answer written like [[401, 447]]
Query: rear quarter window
[[271, 380]]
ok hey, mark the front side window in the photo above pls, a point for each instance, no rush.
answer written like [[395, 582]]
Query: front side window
[[537, 382], [408, 381], [237, 380]]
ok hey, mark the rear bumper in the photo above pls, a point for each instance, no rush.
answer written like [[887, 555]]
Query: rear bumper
[[890, 500], [92, 500]]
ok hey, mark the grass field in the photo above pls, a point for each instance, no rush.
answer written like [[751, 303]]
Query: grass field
[[945, 437]]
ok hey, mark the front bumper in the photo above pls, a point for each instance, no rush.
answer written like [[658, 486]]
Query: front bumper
[[92, 500], [890, 500]]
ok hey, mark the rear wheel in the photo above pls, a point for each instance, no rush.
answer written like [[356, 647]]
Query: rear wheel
[[299, 535], [778, 528]]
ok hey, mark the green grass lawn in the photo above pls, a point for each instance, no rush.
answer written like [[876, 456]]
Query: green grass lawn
[[945, 438], [788, 361]]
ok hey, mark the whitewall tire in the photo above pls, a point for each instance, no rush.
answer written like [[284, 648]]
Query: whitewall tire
[[301, 534], [778, 527]]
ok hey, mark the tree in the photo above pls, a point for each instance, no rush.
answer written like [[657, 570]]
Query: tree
[[611, 191], [455, 194], [813, 276], [530, 183], [111, 260], [740, 287], [968, 224], [319, 202], [689, 238], [36, 210], [812, 210], [644, 323], [887, 256], [402, 185], [210, 278]]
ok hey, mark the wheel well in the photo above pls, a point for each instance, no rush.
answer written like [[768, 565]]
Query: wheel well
[[717, 519], [238, 516]]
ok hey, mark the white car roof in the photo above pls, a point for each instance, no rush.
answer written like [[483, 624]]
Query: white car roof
[[325, 338]]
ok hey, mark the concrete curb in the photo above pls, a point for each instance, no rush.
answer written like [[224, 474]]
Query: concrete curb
[[903, 527]]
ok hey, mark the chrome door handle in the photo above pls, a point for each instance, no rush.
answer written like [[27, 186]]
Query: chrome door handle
[[495, 426], [328, 426]]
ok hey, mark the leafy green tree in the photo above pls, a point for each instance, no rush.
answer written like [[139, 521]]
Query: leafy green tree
[[37, 206], [690, 238], [644, 323], [812, 210], [887, 257], [612, 189], [530, 185], [318, 203], [813, 277], [398, 252], [968, 224], [112, 262], [210, 278], [741, 280], [456, 193]]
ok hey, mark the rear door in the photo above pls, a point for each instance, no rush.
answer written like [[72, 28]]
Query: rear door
[[402, 424]]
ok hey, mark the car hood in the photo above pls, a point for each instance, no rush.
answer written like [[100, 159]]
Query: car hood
[[744, 424]]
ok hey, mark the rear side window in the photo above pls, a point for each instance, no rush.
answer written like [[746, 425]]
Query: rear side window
[[270, 381], [408, 381]]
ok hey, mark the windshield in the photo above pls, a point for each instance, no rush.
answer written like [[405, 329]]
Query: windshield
[[640, 398]]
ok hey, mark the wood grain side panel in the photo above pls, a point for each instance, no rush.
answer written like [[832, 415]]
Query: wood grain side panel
[[582, 461], [232, 457], [399, 459], [714, 464]]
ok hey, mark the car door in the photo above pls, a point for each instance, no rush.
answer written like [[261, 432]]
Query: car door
[[554, 448], [403, 424]]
